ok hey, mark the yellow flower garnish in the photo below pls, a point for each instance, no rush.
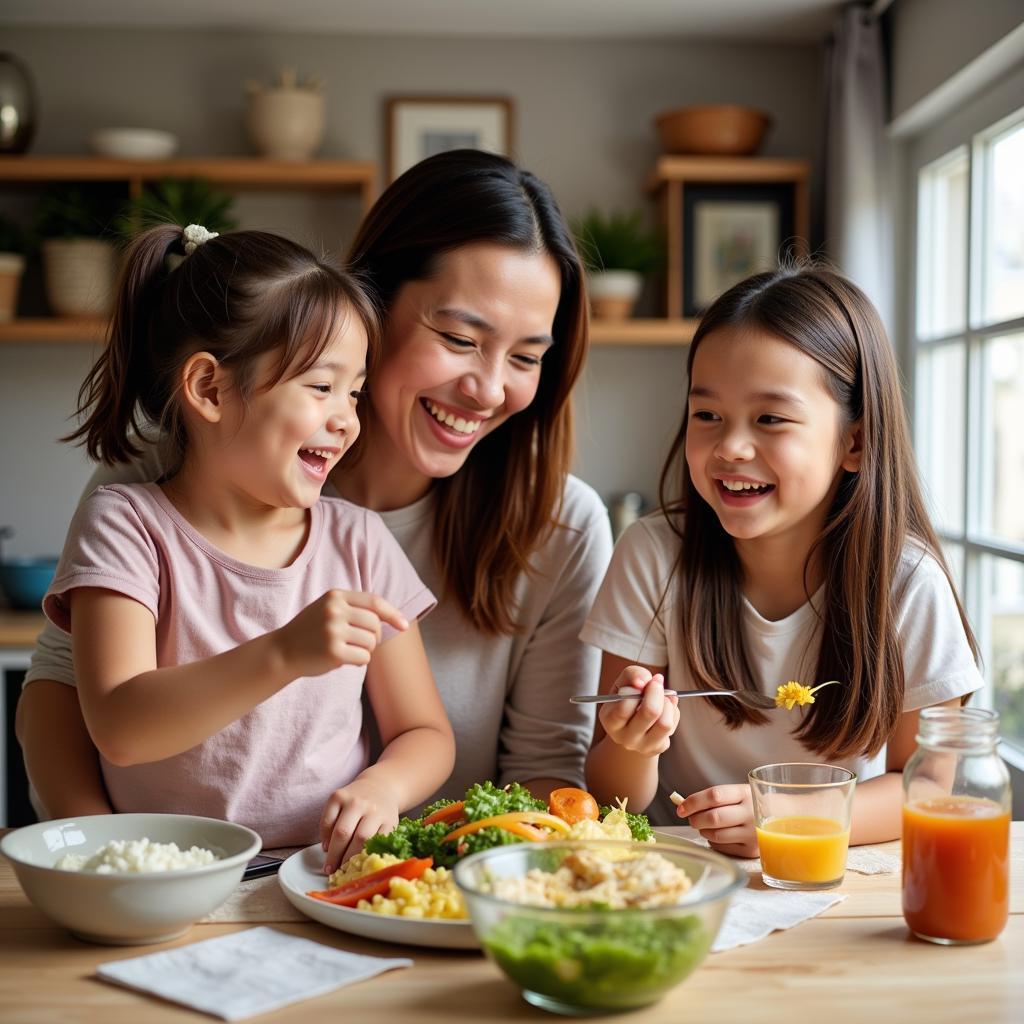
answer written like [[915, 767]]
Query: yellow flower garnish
[[792, 694]]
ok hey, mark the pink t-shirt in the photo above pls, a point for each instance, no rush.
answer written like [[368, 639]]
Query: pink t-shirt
[[274, 768]]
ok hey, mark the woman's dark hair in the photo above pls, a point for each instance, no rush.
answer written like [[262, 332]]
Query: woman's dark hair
[[518, 472], [874, 513], [237, 296]]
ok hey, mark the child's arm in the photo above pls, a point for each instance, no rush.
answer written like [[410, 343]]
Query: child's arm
[[418, 755], [60, 758], [629, 736], [724, 815], [137, 712]]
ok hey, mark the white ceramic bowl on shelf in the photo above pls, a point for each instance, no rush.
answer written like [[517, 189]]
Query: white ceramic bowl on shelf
[[128, 908], [134, 143]]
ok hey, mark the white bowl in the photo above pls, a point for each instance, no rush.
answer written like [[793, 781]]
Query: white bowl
[[134, 143], [129, 908]]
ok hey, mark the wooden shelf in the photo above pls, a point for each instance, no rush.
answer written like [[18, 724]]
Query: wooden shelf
[[233, 172], [20, 629], [727, 170], [89, 330], [654, 331], [53, 329]]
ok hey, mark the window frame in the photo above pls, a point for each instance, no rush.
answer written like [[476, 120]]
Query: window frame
[[971, 129]]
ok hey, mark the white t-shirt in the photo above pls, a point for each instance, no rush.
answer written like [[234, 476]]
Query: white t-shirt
[[626, 621]]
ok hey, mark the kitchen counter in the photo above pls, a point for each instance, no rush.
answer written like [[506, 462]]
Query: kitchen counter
[[855, 962], [20, 629]]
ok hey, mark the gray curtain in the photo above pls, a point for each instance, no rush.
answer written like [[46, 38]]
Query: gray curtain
[[858, 191]]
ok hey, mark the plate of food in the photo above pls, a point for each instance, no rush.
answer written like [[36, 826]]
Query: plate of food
[[399, 887]]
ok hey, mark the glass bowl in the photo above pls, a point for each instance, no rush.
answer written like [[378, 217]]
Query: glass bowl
[[588, 960]]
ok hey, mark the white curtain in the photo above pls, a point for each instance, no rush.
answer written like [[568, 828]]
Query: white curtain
[[858, 174]]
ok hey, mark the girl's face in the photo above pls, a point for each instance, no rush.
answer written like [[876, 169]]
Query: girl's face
[[462, 353], [764, 440], [281, 445]]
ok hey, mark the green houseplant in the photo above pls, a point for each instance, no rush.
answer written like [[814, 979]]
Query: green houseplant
[[79, 256], [12, 266], [619, 251], [180, 201]]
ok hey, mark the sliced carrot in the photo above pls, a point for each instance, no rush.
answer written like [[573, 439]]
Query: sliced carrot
[[356, 889], [520, 823], [450, 812]]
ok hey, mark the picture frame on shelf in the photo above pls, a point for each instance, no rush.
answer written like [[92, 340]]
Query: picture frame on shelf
[[730, 232], [420, 126]]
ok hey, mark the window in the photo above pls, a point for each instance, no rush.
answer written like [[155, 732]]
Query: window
[[968, 372]]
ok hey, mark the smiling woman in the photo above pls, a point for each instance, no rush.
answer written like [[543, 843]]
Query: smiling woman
[[464, 452]]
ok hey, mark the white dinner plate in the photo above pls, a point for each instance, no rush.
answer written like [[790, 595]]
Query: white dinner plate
[[301, 872]]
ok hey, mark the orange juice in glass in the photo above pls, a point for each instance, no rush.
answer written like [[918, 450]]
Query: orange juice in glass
[[802, 814]]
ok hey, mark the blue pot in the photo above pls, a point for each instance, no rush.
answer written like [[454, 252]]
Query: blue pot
[[25, 581]]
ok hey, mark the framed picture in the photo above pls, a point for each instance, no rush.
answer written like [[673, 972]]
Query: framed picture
[[729, 233], [420, 126]]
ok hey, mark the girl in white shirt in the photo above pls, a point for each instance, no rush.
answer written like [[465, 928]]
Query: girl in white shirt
[[792, 543]]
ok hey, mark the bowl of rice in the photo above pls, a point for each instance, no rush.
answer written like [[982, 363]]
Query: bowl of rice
[[129, 879]]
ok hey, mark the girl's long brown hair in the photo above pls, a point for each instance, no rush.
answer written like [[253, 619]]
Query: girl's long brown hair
[[497, 509], [238, 296], [875, 512]]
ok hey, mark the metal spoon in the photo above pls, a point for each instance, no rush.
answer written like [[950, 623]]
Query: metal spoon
[[753, 699]]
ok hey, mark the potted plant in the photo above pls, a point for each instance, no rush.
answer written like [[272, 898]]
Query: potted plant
[[286, 120], [619, 251], [79, 258], [12, 265], [180, 201]]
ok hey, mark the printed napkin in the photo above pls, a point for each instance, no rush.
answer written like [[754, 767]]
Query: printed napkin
[[754, 913], [239, 975]]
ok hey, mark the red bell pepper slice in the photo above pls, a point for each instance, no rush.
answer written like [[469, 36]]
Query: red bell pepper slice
[[365, 888]]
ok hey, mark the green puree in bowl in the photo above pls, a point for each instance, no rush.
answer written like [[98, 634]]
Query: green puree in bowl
[[624, 961]]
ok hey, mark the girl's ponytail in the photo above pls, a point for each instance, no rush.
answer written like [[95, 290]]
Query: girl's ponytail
[[118, 389], [237, 296]]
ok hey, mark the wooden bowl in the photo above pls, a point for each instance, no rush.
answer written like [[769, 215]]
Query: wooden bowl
[[712, 130]]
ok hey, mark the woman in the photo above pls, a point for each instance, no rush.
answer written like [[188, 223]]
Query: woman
[[465, 452]]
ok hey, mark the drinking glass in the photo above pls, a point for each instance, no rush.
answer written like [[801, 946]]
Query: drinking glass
[[802, 813]]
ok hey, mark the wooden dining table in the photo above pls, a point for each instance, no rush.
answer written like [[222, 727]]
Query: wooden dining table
[[855, 962]]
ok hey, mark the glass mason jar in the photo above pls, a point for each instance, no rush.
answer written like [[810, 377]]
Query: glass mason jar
[[956, 829]]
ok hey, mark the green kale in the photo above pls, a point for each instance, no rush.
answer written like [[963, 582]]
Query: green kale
[[483, 800], [409, 838], [435, 806]]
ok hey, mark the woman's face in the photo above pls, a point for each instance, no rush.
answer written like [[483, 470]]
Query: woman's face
[[462, 353]]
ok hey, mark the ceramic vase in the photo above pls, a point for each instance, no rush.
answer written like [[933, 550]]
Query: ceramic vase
[[613, 293], [286, 123]]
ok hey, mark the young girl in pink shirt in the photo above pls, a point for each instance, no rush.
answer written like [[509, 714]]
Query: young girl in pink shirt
[[224, 619]]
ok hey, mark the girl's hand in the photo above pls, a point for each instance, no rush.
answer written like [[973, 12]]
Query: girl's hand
[[643, 726], [351, 815], [340, 628], [724, 816]]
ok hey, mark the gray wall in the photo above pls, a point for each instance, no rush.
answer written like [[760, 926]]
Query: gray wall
[[934, 39], [583, 122]]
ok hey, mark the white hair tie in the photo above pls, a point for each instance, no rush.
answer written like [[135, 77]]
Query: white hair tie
[[194, 236]]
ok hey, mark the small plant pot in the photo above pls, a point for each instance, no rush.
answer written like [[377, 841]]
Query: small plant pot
[[12, 265], [80, 276], [613, 293], [286, 124]]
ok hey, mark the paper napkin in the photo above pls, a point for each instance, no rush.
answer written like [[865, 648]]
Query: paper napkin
[[754, 913], [239, 975]]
